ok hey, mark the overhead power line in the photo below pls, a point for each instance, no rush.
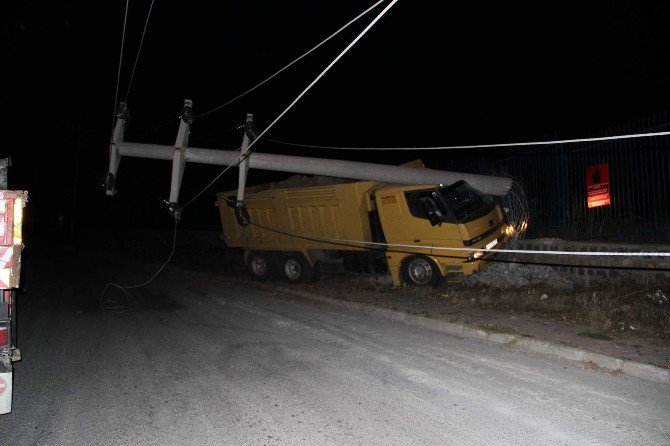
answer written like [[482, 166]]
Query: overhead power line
[[477, 146], [158, 126], [218, 132], [139, 50], [295, 101], [118, 74], [349, 23], [237, 162]]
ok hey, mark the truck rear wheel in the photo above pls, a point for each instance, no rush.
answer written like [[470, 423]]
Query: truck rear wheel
[[418, 270], [262, 266], [296, 269]]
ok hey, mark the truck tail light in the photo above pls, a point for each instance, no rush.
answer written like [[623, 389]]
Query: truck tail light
[[4, 335], [4, 321]]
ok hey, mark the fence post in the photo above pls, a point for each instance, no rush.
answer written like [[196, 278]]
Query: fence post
[[565, 188]]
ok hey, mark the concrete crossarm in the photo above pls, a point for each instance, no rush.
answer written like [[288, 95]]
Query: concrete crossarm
[[320, 166]]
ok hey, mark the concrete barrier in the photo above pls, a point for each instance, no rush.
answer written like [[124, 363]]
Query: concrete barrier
[[586, 271]]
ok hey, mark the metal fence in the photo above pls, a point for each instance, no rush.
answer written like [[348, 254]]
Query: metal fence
[[554, 178]]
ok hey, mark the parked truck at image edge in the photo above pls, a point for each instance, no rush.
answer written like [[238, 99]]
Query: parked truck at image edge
[[11, 245], [289, 227]]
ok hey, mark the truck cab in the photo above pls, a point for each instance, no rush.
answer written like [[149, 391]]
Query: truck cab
[[435, 218]]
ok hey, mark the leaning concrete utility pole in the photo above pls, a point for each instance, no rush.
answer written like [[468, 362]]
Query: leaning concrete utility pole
[[180, 154], [248, 135]]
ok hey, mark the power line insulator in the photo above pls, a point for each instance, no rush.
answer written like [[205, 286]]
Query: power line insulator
[[122, 111], [187, 115]]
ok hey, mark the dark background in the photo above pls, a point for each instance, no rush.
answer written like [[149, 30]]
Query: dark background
[[429, 73]]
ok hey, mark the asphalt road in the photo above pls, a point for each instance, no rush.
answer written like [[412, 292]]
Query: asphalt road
[[203, 362]]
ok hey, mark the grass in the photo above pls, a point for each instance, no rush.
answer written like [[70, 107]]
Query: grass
[[613, 308]]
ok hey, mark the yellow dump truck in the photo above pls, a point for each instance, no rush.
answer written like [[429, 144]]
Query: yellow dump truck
[[296, 231]]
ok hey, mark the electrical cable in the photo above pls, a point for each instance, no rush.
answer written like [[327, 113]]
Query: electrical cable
[[355, 243], [350, 22], [234, 164], [517, 213], [477, 146], [130, 304], [295, 101], [156, 127], [139, 50], [148, 191], [218, 132], [120, 307], [118, 74], [382, 248]]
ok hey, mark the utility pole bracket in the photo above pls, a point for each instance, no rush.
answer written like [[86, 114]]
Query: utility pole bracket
[[249, 134], [122, 114], [178, 156]]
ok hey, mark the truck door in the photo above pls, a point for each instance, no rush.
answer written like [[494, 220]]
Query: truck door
[[404, 225]]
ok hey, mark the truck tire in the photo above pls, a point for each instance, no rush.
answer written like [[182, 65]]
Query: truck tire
[[296, 269], [418, 270], [262, 266]]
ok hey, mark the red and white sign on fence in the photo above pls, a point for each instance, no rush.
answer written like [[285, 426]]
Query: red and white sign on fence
[[598, 186]]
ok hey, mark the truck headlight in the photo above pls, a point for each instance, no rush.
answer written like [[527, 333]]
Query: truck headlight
[[509, 230], [474, 256]]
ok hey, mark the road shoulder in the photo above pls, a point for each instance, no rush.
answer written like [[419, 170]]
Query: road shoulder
[[544, 336]]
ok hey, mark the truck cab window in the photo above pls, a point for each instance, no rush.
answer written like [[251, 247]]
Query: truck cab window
[[458, 203], [427, 204]]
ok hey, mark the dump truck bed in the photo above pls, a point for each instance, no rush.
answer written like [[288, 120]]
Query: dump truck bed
[[335, 211]]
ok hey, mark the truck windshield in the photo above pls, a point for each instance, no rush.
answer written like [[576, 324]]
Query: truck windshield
[[462, 200], [457, 203]]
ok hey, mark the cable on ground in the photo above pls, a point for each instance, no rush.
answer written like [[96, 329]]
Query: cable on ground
[[121, 306]]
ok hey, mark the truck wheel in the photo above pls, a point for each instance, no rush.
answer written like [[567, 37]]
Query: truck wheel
[[262, 266], [296, 269], [418, 270]]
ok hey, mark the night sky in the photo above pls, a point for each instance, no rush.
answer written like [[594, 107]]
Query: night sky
[[429, 73]]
